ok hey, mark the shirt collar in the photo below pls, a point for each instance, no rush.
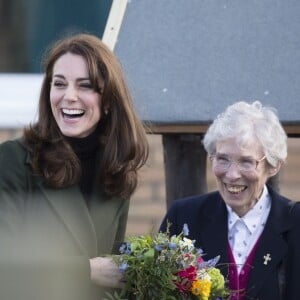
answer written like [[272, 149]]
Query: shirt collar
[[258, 214]]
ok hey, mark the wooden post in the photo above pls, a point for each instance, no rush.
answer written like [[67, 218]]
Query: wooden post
[[185, 166]]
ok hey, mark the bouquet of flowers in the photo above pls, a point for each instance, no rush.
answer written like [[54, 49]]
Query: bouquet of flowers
[[168, 267]]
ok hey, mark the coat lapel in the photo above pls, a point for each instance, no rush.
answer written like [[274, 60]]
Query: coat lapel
[[71, 208], [73, 212], [272, 243], [105, 213], [214, 233]]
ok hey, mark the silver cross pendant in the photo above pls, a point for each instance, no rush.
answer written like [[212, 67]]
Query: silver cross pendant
[[267, 258]]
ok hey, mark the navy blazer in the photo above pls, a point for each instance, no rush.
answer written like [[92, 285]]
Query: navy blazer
[[206, 217]]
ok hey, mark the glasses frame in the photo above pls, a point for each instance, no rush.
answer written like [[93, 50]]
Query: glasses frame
[[237, 163]]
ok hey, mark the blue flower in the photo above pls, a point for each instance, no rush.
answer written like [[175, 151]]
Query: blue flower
[[123, 267], [210, 263], [125, 248], [185, 229], [200, 252], [172, 245], [158, 248]]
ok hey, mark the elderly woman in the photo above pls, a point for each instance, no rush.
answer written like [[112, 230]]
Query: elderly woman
[[255, 230]]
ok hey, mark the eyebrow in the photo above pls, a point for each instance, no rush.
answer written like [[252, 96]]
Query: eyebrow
[[77, 79], [242, 156]]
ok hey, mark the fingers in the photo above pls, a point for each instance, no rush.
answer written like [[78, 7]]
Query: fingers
[[105, 272]]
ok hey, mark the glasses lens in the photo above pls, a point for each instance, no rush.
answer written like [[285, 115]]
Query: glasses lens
[[244, 165], [221, 162], [247, 165]]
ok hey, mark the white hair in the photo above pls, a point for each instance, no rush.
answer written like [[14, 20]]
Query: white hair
[[244, 120]]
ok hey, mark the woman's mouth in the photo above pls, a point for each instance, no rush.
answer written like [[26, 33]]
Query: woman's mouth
[[72, 113], [235, 189]]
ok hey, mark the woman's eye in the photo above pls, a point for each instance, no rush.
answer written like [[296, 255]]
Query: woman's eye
[[247, 162], [86, 86], [59, 84], [222, 159]]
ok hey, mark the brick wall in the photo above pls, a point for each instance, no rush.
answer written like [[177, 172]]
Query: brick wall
[[148, 203]]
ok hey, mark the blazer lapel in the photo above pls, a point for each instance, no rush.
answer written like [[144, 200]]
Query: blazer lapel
[[272, 245], [214, 233], [71, 208]]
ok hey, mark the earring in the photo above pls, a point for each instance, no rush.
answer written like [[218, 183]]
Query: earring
[[106, 112]]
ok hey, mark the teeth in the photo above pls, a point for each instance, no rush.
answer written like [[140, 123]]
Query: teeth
[[235, 189], [72, 111]]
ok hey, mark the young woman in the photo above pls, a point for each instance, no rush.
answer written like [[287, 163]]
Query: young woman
[[65, 185]]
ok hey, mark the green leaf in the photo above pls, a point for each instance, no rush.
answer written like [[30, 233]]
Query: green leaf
[[150, 253]]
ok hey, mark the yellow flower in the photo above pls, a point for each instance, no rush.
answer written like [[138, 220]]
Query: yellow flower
[[201, 288]]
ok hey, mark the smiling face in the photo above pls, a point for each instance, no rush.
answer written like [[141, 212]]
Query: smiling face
[[74, 103], [239, 189]]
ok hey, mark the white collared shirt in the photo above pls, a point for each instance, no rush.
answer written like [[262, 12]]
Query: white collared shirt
[[244, 232]]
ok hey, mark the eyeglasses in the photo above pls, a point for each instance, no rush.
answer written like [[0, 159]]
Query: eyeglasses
[[223, 163]]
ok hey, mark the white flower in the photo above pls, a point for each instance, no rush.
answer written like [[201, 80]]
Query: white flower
[[186, 243], [203, 275]]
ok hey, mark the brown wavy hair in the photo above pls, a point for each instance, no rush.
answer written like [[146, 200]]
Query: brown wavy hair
[[123, 136]]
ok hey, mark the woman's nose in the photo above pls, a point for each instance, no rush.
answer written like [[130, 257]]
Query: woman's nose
[[233, 171], [71, 93]]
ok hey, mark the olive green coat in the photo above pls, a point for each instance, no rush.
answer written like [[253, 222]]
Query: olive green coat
[[48, 235]]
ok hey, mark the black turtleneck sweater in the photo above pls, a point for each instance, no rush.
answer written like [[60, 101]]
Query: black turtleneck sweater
[[86, 150]]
